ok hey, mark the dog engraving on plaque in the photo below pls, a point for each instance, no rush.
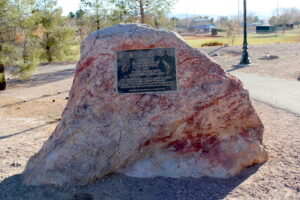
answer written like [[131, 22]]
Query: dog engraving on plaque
[[146, 70]]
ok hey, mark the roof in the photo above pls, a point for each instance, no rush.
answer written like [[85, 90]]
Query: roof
[[204, 26], [201, 20]]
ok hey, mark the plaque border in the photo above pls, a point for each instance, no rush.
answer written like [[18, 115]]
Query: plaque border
[[151, 92]]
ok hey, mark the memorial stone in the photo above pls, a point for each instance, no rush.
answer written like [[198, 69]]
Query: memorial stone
[[144, 103]]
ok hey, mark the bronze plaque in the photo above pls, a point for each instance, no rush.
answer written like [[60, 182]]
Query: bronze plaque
[[146, 70]]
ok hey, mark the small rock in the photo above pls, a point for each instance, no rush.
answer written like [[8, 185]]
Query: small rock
[[67, 98], [269, 57], [215, 54], [298, 78], [58, 93], [15, 165], [53, 100]]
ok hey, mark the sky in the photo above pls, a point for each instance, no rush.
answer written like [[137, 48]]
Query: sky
[[211, 7]]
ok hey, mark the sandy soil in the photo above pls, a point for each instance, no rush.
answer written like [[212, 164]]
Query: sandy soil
[[286, 66], [30, 110]]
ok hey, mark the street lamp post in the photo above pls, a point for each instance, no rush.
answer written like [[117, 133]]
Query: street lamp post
[[245, 58]]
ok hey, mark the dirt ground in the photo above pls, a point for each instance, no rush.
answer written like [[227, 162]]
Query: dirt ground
[[274, 60], [30, 110]]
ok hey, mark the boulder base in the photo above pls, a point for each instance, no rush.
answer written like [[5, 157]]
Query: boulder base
[[207, 127]]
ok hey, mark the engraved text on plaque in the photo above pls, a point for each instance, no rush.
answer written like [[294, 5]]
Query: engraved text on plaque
[[147, 70]]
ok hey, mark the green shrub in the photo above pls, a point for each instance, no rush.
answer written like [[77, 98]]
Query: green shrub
[[2, 79], [212, 43]]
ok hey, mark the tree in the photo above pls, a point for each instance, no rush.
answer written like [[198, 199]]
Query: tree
[[31, 31], [283, 16], [297, 17], [231, 26], [120, 13], [175, 21], [253, 18], [94, 9], [55, 37], [145, 9], [27, 51], [15, 36], [72, 15], [6, 38], [273, 20], [84, 24], [3, 5]]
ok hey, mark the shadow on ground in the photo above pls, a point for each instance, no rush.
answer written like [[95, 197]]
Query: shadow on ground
[[36, 98], [237, 67], [27, 130], [43, 78], [120, 187]]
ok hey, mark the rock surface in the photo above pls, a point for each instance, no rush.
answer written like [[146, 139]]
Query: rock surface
[[207, 127]]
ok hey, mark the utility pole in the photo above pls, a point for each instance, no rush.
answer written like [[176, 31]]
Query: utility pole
[[238, 9], [245, 58], [277, 9]]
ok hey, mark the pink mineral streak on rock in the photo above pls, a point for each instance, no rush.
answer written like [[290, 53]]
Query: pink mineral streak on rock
[[208, 127]]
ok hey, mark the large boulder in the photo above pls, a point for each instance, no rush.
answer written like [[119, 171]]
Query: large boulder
[[205, 126]]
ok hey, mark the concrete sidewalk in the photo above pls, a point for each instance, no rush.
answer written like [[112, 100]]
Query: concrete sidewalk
[[280, 93]]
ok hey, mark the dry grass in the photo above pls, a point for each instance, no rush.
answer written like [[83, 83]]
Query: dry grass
[[253, 39]]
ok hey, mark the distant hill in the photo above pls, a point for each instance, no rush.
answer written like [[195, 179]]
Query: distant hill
[[186, 15]]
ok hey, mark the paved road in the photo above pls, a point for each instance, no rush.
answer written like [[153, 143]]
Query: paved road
[[280, 93]]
